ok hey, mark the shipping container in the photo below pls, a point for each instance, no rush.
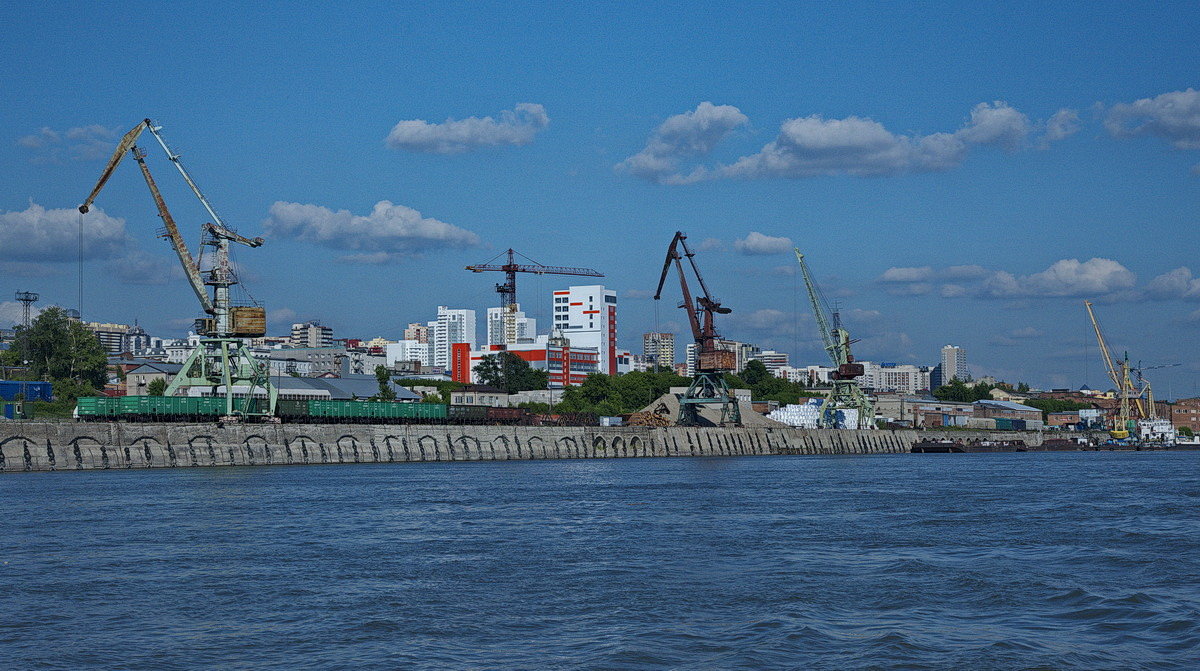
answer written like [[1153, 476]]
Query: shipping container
[[31, 391]]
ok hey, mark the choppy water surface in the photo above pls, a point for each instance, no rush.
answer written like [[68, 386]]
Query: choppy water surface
[[1000, 561]]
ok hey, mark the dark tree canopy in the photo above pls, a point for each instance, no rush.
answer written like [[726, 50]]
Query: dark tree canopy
[[57, 347], [386, 392], [962, 392], [507, 371]]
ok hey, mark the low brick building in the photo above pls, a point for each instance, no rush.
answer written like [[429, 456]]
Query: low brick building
[[1185, 412], [1067, 419]]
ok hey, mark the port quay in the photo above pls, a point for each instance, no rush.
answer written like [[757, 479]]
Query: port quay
[[64, 446]]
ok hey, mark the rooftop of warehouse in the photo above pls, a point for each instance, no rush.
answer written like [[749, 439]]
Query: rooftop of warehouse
[[1008, 405]]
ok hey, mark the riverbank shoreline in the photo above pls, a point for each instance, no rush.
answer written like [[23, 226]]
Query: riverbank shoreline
[[57, 446]]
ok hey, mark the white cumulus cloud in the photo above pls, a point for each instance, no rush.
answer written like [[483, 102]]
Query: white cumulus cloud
[[813, 145], [758, 244], [1064, 123], [1174, 117], [686, 135], [12, 313], [517, 126], [139, 267], [389, 232], [1177, 283], [899, 274], [1064, 278], [41, 235]]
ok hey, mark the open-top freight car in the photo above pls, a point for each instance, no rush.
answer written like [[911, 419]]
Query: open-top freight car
[[312, 411]]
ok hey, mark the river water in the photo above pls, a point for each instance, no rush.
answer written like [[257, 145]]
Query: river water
[[967, 561]]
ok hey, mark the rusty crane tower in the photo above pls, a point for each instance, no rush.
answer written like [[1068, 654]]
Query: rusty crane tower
[[508, 290], [712, 362]]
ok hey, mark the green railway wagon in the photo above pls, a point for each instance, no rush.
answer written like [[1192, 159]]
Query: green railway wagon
[[165, 406], [91, 406], [435, 412], [210, 405], [130, 405], [329, 409], [293, 409]]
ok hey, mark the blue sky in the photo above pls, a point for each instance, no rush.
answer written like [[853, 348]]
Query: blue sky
[[950, 171]]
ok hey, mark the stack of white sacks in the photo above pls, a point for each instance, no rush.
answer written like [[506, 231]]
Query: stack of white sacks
[[804, 416], [807, 415]]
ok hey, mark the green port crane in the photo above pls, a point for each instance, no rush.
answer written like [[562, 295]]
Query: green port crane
[[845, 394], [222, 359]]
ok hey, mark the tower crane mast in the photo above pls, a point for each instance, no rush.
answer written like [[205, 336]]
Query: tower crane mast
[[508, 290], [846, 394]]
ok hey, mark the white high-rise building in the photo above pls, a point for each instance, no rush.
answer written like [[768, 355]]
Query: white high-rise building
[[690, 357], [954, 364], [771, 359], [409, 350], [311, 334], [525, 327], [904, 378], [588, 316], [452, 326]]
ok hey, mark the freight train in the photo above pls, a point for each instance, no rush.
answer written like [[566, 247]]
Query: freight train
[[316, 411]]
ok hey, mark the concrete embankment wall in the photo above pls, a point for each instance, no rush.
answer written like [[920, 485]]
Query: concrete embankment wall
[[46, 446]]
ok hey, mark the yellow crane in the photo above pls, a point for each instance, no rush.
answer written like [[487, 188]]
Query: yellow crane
[[1136, 398]]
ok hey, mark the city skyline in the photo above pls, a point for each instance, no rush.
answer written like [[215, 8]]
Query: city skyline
[[939, 214]]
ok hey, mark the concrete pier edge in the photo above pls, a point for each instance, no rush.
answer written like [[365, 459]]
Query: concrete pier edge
[[69, 446]]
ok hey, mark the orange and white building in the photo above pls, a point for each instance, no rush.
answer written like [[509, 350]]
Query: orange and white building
[[565, 365], [587, 316]]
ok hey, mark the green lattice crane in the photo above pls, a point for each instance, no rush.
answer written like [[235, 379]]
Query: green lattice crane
[[221, 362], [846, 394]]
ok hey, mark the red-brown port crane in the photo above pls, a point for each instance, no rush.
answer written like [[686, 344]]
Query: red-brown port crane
[[712, 362], [508, 290]]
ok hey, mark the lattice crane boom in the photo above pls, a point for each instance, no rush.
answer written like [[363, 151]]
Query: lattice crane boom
[[818, 308], [1109, 366], [222, 359], [701, 312]]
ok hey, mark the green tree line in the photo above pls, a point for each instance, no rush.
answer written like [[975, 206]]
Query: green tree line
[[60, 350]]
